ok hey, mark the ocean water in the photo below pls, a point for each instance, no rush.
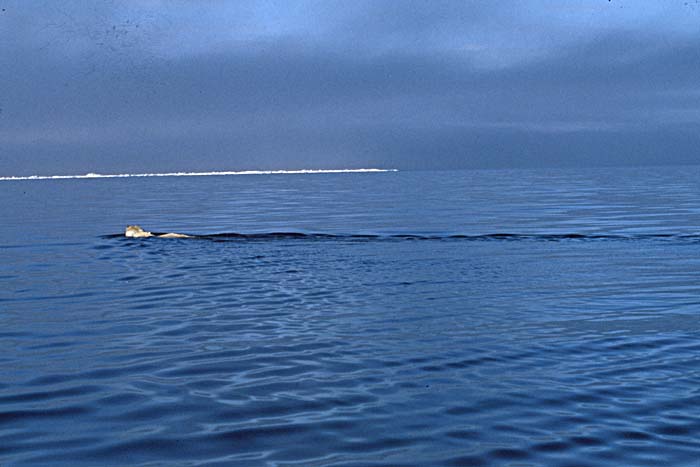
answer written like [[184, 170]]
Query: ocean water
[[465, 318]]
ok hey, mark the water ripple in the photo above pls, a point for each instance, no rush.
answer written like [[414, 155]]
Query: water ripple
[[419, 339]]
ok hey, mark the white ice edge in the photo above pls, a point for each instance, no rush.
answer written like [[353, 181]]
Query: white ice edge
[[198, 174]]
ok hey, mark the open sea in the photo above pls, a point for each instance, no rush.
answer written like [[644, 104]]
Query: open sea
[[453, 318]]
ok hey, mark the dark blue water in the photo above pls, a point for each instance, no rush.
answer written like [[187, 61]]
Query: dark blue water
[[522, 318]]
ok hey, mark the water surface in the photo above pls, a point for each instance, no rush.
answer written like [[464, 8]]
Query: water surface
[[516, 318]]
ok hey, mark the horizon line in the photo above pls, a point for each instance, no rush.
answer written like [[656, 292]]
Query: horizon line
[[93, 175]]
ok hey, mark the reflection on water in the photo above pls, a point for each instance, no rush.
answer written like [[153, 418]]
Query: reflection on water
[[572, 341]]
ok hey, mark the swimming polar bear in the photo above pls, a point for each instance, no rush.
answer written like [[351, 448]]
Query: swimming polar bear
[[134, 231]]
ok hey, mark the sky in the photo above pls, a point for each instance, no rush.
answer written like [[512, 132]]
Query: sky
[[184, 85]]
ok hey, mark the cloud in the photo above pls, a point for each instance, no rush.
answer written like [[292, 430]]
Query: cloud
[[386, 83]]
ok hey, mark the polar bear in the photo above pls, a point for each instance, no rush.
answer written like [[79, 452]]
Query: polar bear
[[134, 231]]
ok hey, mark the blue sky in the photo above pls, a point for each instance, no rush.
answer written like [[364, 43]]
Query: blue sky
[[150, 85]]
